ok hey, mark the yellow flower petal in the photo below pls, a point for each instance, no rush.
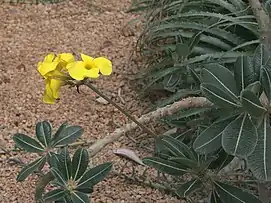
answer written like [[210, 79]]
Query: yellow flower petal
[[48, 94], [55, 87], [70, 65], [92, 73], [49, 57], [67, 57], [78, 71], [47, 99], [87, 59], [103, 64], [46, 67]]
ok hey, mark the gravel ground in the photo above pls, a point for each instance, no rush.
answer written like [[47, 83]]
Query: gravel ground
[[27, 34]]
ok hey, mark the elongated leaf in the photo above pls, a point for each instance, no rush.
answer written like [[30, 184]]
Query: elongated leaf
[[186, 162], [27, 143], [233, 194], [260, 160], [79, 163], [59, 131], [94, 175], [220, 77], [85, 190], [240, 137], [165, 166], [183, 135], [218, 96], [266, 82], [44, 133], [54, 195], [210, 139], [261, 58], [68, 135], [254, 87], [177, 148], [30, 168], [128, 154], [64, 164], [215, 198], [79, 197], [59, 176], [53, 160], [223, 160], [188, 188], [243, 72], [195, 76], [252, 104], [161, 150]]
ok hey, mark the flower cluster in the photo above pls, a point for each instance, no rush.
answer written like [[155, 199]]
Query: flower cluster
[[57, 69]]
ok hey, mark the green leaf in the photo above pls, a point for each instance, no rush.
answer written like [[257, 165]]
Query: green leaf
[[186, 162], [85, 190], [261, 58], [181, 136], [215, 198], [64, 164], [240, 137], [68, 135], [233, 194], [59, 176], [177, 148], [79, 163], [44, 132], [79, 197], [209, 140], [94, 175], [195, 76], [252, 104], [54, 195], [165, 166], [254, 87], [182, 49], [220, 77], [266, 82], [260, 160], [27, 143], [59, 131], [160, 149], [30, 168], [223, 160], [243, 72], [188, 188], [218, 96], [53, 160]]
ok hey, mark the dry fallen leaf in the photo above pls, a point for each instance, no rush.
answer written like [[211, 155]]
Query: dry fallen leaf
[[127, 153]]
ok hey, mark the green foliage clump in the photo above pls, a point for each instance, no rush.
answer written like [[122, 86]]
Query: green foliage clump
[[238, 126], [70, 180], [180, 36]]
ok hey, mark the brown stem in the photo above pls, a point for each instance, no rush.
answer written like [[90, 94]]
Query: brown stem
[[263, 21], [89, 85], [191, 102]]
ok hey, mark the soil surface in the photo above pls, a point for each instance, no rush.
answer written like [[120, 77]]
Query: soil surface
[[27, 34]]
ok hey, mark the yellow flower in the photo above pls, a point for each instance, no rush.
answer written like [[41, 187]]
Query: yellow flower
[[52, 65], [89, 67], [51, 68], [51, 93]]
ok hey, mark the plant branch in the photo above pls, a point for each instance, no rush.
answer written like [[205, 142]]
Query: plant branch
[[263, 21], [191, 102], [89, 85]]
